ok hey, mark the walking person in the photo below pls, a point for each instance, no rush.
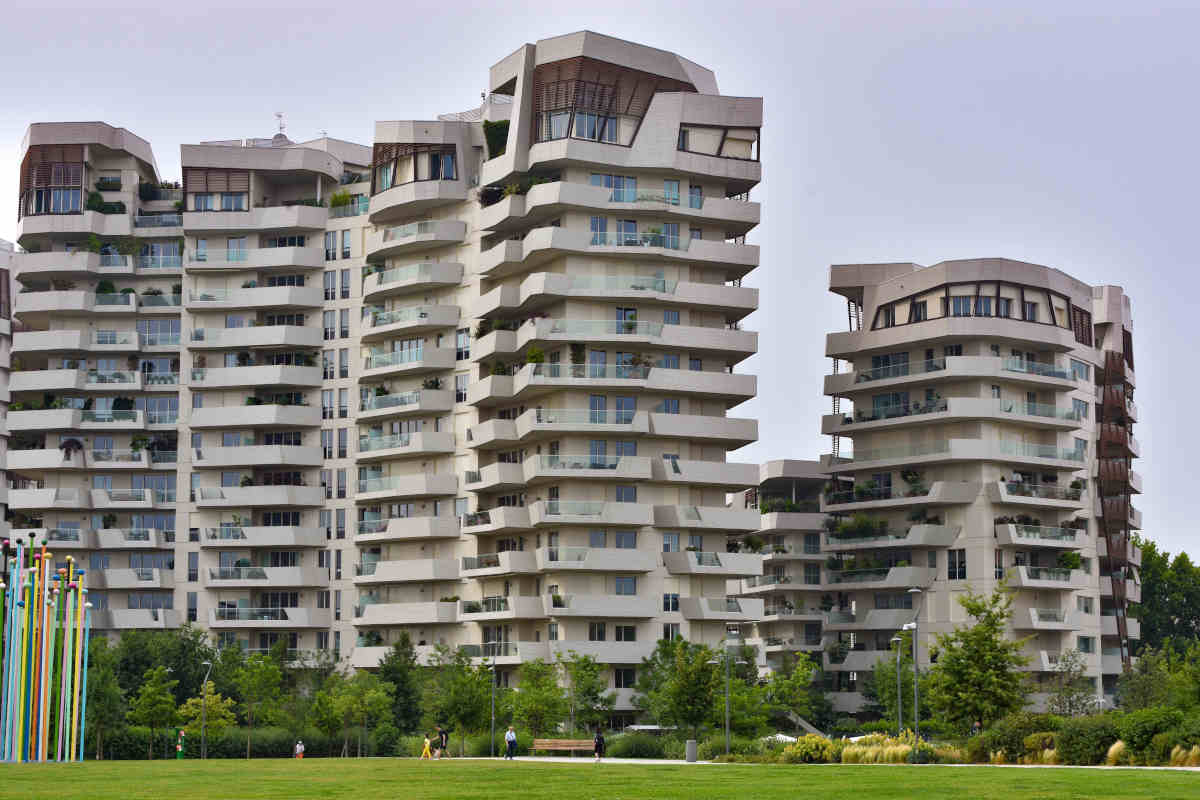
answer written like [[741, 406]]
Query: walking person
[[443, 742], [598, 745], [299, 748], [510, 743], [425, 752]]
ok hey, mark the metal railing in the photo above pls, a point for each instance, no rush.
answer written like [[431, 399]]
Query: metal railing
[[354, 208], [605, 327], [226, 614], [556, 416], [394, 358], [378, 401], [577, 508], [237, 573], [158, 220], [589, 372]]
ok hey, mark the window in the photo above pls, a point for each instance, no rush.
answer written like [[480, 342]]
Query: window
[[327, 404], [695, 197], [599, 230], [682, 145], [887, 316], [669, 405], [671, 317], [343, 403], [696, 365], [812, 574], [1084, 604], [327, 364], [460, 388], [696, 540], [1080, 370], [951, 350], [345, 285], [233, 201], [202, 201], [1081, 408], [193, 567], [1003, 307], [696, 234], [625, 540], [671, 192], [670, 542], [344, 324], [995, 392], [329, 322], [960, 306], [595, 126], [999, 565], [669, 361], [343, 436], [343, 363], [1031, 312], [671, 601], [624, 677], [462, 344], [670, 631], [597, 631], [1087, 644], [626, 494], [919, 312], [191, 606], [346, 244], [330, 245], [956, 565], [983, 306], [341, 486], [625, 585], [552, 631]]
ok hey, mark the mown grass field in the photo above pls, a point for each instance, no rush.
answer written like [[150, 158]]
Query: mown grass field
[[413, 780]]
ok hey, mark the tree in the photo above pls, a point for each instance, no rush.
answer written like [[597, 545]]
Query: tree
[[789, 690], [976, 677], [749, 708], [362, 700], [1071, 695], [399, 668], [588, 702], [880, 687], [1164, 676], [323, 716], [258, 684], [676, 685], [1170, 597], [154, 705], [105, 700], [214, 712], [457, 694], [539, 704]]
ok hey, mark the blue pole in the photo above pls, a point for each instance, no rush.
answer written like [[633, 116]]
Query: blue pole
[[87, 626]]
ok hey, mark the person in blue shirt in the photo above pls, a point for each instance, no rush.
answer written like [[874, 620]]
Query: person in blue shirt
[[510, 743]]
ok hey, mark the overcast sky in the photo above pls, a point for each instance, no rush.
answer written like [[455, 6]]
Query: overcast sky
[[1058, 133]]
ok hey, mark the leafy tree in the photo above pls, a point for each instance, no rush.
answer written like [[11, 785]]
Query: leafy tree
[[363, 700], [1072, 695], [457, 693], [880, 686], [749, 707], [976, 677], [105, 700], [399, 668], [789, 690], [323, 716], [154, 705], [226, 666], [215, 712], [540, 704], [1164, 676], [676, 685], [1170, 598], [258, 684], [183, 651], [588, 701]]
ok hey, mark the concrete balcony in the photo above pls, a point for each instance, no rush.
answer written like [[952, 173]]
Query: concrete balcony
[[733, 345], [1111, 662], [1049, 578], [586, 467], [390, 406], [553, 513], [542, 289], [920, 535], [266, 415], [70, 341], [415, 197], [253, 496], [260, 297], [951, 450], [534, 380], [375, 614], [266, 455], [604, 652], [771, 583], [953, 369], [595, 559], [495, 477], [58, 538], [73, 303], [252, 577], [541, 245], [77, 225], [791, 521], [1025, 536], [268, 618], [548, 423], [257, 336], [404, 445], [131, 579], [1108, 626], [729, 609], [1133, 589], [504, 519], [1045, 619], [60, 264], [709, 473], [49, 499], [117, 499], [135, 619], [407, 529], [412, 319], [425, 570], [715, 518], [399, 363], [386, 489], [728, 431], [875, 619], [254, 376], [943, 410], [410, 278], [270, 218], [603, 606], [1036, 495], [368, 657], [53, 380], [506, 653], [857, 660], [134, 539], [43, 459], [414, 237], [511, 562], [112, 420], [258, 259], [883, 578], [849, 344], [732, 565], [491, 609], [245, 537]]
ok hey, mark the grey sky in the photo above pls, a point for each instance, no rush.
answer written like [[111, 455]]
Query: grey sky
[[1058, 133]]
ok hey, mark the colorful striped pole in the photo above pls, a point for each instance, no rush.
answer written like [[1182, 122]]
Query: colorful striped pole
[[45, 623]]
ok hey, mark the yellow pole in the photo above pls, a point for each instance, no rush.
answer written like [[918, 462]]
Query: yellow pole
[[78, 671]]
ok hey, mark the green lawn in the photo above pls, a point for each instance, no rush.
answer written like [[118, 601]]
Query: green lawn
[[411, 780]]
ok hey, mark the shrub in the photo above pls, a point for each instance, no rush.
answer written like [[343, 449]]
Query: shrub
[[714, 746], [809, 749], [1161, 745], [480, 746], [674, 749], [949, 754], [1085, 740], [1118, 754], [977, 751], [409, 746], [1189, 732], [1138, 728], [1008, 733], [635, 745], [384, 738], [1183, 757], [1036, 744]]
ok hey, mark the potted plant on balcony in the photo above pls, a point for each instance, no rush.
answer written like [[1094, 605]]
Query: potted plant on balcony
[[483, 328], [432, 384], [578, 352], [556, 601], [152, 291], [247, 480], [243, 359], [381, 390], [535, 355], [1069, 559], [108, 521], [1075, 489], [139, 442], [69, 446], [105, 287]]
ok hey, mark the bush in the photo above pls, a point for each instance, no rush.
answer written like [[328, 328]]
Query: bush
[[809, 749], [384, 738], [1189, 732], [1036, 744], [714, 746], [878, 749], [635, 745], [977, 750], [1118, 755], [1159, 751], [1085, 740], [1138, 728], [1007, 734], [674, 749], [409, 746], [480, 746], [1183, 757], [948, 754]]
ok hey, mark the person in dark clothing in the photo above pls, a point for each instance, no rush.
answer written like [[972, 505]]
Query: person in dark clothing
[[443, 743], [598, 744]]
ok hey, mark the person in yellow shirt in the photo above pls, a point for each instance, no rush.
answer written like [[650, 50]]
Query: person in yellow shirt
[[425, 752]]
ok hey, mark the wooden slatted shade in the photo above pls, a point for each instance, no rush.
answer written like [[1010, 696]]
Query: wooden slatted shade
[[1081, 322], [216, 180], [389, 151], [38, 166]]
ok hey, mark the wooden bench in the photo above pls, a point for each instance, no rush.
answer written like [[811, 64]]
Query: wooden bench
[[562, 744]]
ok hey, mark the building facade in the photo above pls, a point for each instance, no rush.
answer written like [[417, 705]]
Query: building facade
[[470, 383], [989, 404]]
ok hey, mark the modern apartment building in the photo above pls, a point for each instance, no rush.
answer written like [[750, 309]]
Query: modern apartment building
[[470, 383], [7, 251], [989, 403]]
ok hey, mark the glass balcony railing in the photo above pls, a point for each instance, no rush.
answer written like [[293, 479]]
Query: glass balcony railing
[[225, 533], [237, 573], [476, 518], [372, 525], [552, 416], [631, 239], [396, 316], [160, 339], [635, 196], [589, 371], [900, 370], [232, 255], [588, 462], [858, 575], [110, 376], [1048, 574], [158, 220], [113, 260], [898, 410], [227, 614], [354, 208], [566, 555], [1028, 450], [116, 338], [605, 327], [1042, 490], [119, 456], [367, 444], [618, 283], [485, 561], [1027, 367], [1045, 532], [400, 232], [767, 580], [578, 508], [1050, 615], [379, 401], [405, 274], [109, 416], [1037, 410], [161, 300], [126, 495], [382, 483], [160, 378], [488, 605], [63, 534], [116, 299], [160, 262], [902, 451], [394, 358]]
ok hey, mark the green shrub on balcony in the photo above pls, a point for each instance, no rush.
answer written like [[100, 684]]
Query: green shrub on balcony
[[496, 135]]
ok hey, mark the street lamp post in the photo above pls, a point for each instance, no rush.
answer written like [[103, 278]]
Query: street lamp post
[[492, 669], [916, 593], [728, 667], [896, 640], [204, 709]]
